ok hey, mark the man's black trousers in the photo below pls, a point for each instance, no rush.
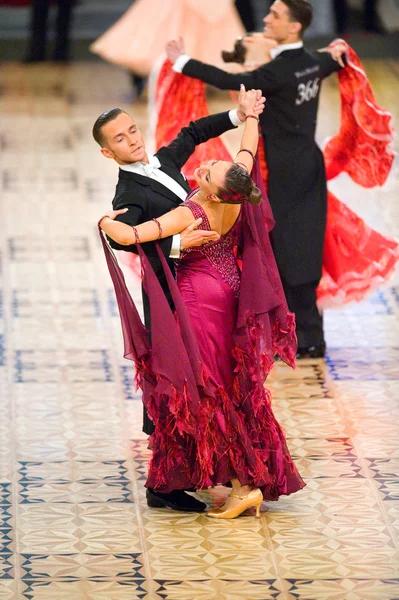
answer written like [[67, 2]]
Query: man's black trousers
[[301, 300]]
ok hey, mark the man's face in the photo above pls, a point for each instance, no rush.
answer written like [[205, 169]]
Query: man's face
[[278, 26], [123, 141]]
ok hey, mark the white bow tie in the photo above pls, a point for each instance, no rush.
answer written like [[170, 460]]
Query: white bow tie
[[151, 166]]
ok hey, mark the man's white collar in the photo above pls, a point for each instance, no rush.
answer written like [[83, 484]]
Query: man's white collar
[[148, 168], [274, 52]]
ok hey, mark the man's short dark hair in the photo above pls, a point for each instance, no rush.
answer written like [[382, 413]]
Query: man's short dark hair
[[105, 117], [300, 11]]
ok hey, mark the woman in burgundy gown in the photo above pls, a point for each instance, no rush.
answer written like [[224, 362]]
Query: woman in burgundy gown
[[208, 362]]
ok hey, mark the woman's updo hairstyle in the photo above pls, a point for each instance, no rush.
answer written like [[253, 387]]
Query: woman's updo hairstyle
[[239, 187], [238, 55]]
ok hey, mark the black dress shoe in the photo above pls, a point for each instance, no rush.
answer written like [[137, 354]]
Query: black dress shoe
[[312, 352], [176, 500]]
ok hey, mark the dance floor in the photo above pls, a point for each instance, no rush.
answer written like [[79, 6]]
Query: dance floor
[[73, 517]]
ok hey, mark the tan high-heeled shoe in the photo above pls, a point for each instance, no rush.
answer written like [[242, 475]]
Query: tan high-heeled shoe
[[254, 498]]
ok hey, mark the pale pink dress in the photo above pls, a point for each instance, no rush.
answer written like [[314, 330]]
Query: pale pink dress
[[138, 38]]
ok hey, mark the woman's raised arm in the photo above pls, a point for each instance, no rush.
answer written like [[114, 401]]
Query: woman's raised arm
[[249, 141]]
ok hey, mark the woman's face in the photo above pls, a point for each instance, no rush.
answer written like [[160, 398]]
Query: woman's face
[[210, 176]]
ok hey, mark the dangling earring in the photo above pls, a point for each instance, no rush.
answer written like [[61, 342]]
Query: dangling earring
[[209, 196]]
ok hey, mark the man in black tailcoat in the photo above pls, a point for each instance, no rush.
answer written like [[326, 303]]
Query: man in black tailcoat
[[150, 186], [297, 185]]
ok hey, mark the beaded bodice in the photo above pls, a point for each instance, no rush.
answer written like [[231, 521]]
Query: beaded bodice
[[220, 254]]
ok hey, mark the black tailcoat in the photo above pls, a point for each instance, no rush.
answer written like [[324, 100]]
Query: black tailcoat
[[297, 186]]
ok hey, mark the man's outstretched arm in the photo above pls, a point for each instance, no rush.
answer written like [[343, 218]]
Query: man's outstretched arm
[[263, 78]]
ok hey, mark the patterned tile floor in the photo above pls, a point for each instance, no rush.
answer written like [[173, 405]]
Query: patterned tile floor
[[73, 519]]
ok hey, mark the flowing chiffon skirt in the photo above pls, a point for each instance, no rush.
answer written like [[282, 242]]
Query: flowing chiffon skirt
[[356, 259], [236, 433]]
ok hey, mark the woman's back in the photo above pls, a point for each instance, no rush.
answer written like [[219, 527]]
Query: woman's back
[[213, 262], [220, 217]]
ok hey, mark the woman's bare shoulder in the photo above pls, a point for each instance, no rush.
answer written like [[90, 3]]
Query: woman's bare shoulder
[[230, 216]]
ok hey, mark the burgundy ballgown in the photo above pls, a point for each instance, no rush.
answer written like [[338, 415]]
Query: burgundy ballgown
[[204, 371]]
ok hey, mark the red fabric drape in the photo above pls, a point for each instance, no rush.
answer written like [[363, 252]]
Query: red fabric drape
[[362, 146]]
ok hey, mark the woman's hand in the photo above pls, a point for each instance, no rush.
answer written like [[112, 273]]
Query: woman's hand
[[337, 51], [112, 214], [258, 49], [251, 102], [174, 49]]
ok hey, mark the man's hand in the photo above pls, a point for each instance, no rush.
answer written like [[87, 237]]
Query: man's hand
[[190, 238], [174, 49], [257, 109], [337, 52], [112, 214]]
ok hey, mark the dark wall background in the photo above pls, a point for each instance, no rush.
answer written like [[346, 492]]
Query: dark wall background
[[93, 17]]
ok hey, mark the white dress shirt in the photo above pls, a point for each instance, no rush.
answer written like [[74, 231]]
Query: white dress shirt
[[153, 171], [181, 62]]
